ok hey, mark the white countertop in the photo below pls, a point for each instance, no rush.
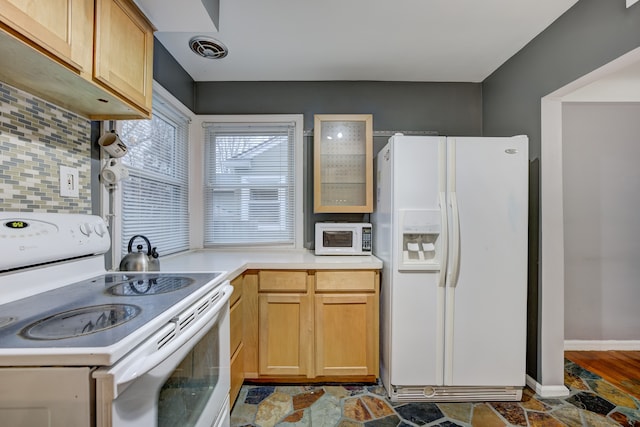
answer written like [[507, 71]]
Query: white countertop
[[234, 262]]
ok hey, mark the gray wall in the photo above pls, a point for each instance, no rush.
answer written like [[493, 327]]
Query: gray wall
[[448, 108], [600, 154], [444, 108], [589, 35], [172, 76]]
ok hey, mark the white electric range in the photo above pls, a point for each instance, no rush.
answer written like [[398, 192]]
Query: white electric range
[[80, 346]]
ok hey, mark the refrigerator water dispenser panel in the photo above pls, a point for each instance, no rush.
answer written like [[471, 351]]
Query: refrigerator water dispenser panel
[[420, 243]]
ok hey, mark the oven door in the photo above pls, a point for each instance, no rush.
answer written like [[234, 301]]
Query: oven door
[[176, 377]]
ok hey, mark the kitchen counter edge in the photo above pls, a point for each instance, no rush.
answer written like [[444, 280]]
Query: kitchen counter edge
[[236, 262]]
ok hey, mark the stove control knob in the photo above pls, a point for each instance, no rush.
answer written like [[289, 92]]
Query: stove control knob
[[99, 229], [85, 229]]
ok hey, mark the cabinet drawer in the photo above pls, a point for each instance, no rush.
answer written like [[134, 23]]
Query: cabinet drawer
[[236, 325], [282, 281], [361, 281]]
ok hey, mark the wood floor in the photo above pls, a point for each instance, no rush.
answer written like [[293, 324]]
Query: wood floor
[[620, 368]]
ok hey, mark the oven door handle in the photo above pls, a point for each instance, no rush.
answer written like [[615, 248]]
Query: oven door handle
[[150, 353]]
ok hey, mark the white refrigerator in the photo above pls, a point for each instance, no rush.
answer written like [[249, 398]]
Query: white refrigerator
[[450, 225]]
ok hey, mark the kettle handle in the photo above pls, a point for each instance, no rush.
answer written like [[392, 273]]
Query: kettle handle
[[145, 239]]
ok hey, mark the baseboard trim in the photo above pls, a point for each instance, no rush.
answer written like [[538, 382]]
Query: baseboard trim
[[547, 391], [593, 345]]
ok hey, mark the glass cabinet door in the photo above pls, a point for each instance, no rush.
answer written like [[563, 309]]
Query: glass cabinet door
[[343, 163]]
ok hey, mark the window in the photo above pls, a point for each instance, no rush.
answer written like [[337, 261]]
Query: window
[[155, 197], [253, 181]]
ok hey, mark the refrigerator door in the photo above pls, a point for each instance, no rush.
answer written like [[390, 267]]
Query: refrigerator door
[[485, 327], [416, 295], [382, 246]]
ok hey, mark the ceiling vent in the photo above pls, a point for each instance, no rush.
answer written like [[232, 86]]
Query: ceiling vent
[[208, 48]]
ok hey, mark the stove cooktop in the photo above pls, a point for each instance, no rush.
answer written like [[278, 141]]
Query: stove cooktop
[[98, 312]]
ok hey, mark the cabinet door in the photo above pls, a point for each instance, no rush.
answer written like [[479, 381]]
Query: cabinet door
[[236, 338], [124, 51], [285, 334], [250, 322], [63, 29], [343, 163], [346, 334], [235, 315], [237, 374], [52, 396]]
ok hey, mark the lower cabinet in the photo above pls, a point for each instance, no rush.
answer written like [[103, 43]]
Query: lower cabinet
[[346, 323], [346, 336], [285, 332], [320, 325], [236, 338], [285, 335]]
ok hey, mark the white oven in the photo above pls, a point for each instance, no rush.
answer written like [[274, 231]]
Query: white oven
[[174, 378], [81, 347]]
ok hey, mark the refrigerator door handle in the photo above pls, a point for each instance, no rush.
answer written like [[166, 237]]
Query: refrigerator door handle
[[444, 239], [452, 273]]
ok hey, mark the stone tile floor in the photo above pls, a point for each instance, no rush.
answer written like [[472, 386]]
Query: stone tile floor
[[592, 402]]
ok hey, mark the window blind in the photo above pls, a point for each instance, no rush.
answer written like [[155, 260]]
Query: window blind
[[155, 197], [250, 184]]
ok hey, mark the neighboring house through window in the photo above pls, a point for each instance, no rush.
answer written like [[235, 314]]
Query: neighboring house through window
[[154, 199], [253, 181]]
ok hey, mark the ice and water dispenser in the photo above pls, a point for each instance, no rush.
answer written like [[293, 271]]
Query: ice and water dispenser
[[420, 232]]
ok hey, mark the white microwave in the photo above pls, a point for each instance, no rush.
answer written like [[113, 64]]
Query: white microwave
[[343, 238]]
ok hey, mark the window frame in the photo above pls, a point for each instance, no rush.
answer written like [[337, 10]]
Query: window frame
[[111, 204], [299, 184]]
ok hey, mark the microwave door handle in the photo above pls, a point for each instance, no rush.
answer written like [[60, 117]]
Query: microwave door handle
[[147, 356]]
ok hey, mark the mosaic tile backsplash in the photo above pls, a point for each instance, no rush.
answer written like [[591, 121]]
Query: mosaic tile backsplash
[[36, 138]]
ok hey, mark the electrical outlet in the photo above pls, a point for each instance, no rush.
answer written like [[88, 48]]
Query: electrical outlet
[[69, 182]]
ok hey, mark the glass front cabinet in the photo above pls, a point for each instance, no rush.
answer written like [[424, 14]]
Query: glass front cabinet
[[343, 163]]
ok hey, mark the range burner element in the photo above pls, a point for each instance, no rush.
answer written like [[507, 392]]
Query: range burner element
[[81, 321], [6, 320], [149, 285]]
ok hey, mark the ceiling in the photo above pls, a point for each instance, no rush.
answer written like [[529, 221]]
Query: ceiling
[[400, 40]]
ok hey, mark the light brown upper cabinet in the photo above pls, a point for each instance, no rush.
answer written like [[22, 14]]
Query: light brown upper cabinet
[[94, 58], [343, 163], [62, 28], [124, 51]]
